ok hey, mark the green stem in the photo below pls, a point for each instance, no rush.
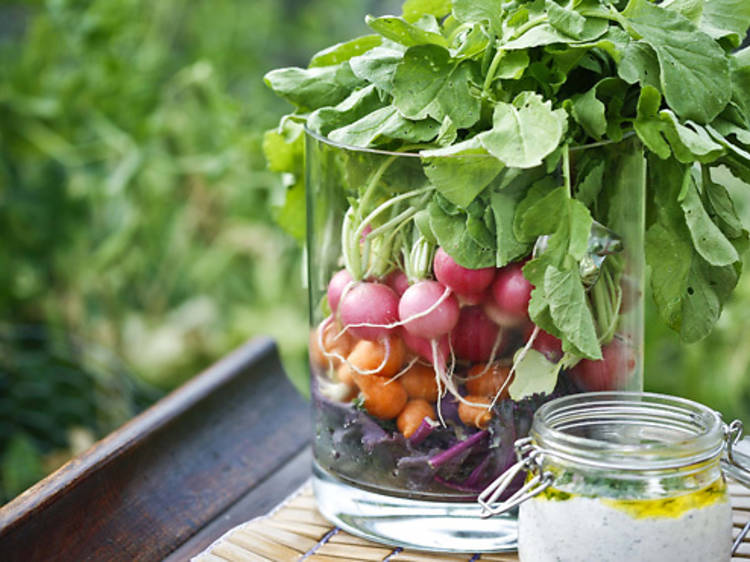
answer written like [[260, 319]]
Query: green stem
[[383, 206], [531, 24], [611, 15], [499, 54], [351, 251], [390, 224], [373, 183], [566, 169]]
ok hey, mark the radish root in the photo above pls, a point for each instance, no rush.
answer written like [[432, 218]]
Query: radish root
[[521, 355]]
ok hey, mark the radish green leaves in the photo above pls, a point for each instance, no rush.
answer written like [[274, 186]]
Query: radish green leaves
[[493, 93]]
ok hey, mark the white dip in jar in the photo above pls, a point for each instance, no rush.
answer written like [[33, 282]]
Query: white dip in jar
[[580, 528], [622, 477]]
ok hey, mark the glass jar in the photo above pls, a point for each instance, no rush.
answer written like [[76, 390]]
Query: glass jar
[[621, 476], [410, 425]]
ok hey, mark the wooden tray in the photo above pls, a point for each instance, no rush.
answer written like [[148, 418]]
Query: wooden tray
[[296, 531]]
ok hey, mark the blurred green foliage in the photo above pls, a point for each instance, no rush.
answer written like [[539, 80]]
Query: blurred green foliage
[[135, 204], [715, 371], [136, 236]]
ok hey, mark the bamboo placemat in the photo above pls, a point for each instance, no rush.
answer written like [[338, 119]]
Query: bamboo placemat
[[296, 531]]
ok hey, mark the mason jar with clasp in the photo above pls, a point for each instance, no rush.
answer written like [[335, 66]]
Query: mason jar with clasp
[[623, 476]]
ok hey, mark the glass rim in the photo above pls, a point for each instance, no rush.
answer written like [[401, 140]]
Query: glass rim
[[701, 430], [351, 148]]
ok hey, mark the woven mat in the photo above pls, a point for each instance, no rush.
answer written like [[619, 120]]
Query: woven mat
[[296, 531]]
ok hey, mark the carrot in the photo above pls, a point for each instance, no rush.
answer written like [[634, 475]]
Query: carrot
[[488, 383], [384, 399], [412, 415], [477, 416], [332, 343], [419, 382], [377, 356], [345, 374]]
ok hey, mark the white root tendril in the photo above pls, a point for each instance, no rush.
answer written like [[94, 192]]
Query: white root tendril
[[447, 378], [348, 287], [438, 382], [403, 371], [516, 361], [446, 293], [333, 355]]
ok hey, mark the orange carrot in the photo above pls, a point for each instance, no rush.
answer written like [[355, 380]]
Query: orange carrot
[[412, 415], [370, 355], [477, 416], [332, 343], [384, 401], [419, 382], [490, 382]]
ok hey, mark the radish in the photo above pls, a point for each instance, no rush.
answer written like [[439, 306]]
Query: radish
[[397, 281], [473, 299], [428, 310], [336, 287], [460, 279], [475, 335], [423, 347], [512, 292], [546, 344], [608, 373], [369, 310]]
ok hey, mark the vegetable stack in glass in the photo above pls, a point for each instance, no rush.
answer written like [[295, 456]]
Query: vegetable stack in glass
[[486, 183]]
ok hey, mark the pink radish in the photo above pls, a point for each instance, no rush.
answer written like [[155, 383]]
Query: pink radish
[[547, 344], [369, 310], [397, 281], [499, 317], [423, 347], [512, 292], [475, 335], [460, 279], [336, 287], [428, 309], [473, 299], [611, 372]]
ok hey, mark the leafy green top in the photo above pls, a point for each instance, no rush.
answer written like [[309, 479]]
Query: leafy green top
[[518, 81]]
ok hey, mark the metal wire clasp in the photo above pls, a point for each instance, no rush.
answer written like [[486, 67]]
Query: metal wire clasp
[[735, 467], [529, 459]]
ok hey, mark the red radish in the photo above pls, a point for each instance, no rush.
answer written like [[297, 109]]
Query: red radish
[[609, 373], [397, 281], [368, 310], [474, 298], [423, 347], [336, 287], [428, 309], [458, 278], [499, 317], [512, 291], [546, 344], [474, 335]]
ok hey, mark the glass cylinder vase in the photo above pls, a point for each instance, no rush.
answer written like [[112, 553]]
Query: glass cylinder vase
[[425, 364]]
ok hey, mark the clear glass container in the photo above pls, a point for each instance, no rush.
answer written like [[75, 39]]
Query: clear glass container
[[374, 218], [622, 476]]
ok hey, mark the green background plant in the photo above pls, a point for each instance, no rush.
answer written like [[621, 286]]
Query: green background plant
[[136, 236]]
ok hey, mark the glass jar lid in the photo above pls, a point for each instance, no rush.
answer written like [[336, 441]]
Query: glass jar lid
[[623, 432], [628, 431]]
